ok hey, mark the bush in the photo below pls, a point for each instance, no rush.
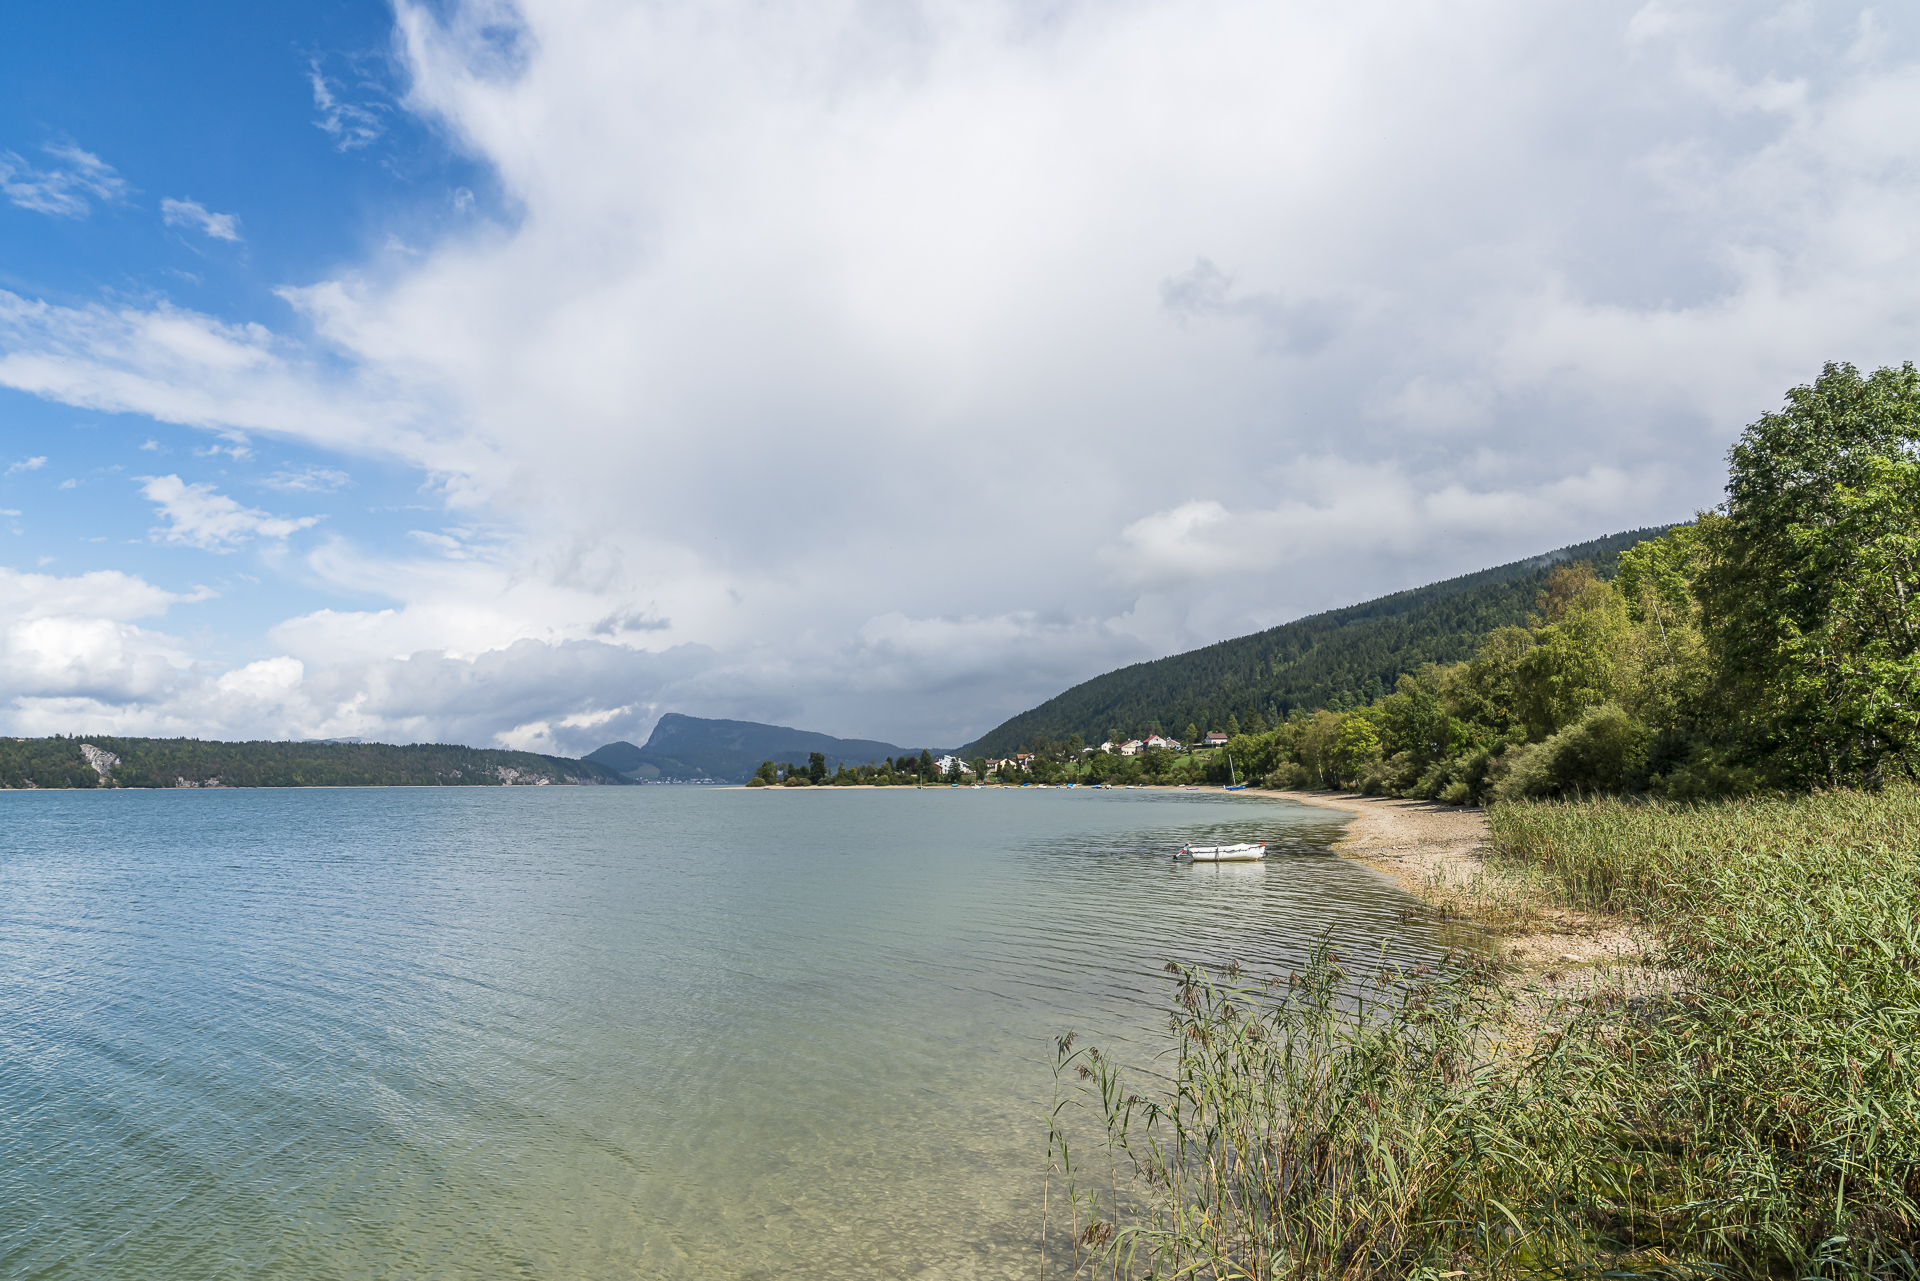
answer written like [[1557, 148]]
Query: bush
[[1291, 776], [1464, 780], [1705, 775], [1604, 752]]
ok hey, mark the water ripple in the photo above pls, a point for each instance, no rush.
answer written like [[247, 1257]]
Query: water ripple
[[586, 1033]]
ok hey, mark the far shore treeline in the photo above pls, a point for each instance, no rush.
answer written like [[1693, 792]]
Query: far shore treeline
[[1772, 644], [96, 760]]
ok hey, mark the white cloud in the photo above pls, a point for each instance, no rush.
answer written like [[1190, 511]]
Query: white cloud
[[351, 125], [1359, 515], [186, 367], [77, 641], [198, 517], [899, 373], [191, 213], [27, 464], [307, 480], [63, 189]]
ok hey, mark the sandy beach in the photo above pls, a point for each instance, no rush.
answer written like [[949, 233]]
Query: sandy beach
[[1437, 851]]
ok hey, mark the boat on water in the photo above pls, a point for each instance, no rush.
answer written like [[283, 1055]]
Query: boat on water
[[1242, 853]]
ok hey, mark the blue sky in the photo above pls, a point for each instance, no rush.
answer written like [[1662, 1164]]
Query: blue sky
[[514, 373], [214, 106]]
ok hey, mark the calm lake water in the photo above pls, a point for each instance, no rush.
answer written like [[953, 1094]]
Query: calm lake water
[[585, 1032]]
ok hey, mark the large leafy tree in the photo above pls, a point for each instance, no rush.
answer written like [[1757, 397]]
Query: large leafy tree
[[1808, 585], [1572, 665]]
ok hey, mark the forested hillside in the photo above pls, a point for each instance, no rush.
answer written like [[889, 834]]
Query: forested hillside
[[1340, 659], [100, 761]]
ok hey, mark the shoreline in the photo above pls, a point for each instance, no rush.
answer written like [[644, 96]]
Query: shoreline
[[1436, 852]]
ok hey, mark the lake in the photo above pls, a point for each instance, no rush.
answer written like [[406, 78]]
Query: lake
[[595, 1032]]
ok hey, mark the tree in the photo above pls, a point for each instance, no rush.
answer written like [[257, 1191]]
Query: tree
[[926, 763], [1356, 746], [768, 772], [1573, 664], [1193, 734], [817, 767], [1414, 720], [1807, 587], [1153, 762], [1665, 670], [1233, 725], [1483, 690]]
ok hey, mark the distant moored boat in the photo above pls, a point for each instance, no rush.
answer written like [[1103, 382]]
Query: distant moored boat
[[1242, 853]]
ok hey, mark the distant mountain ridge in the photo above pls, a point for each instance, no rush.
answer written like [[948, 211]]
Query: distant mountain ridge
[[1341, 657], [691, 747]]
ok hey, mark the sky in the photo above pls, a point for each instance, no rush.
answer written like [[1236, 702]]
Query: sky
[[512, 374]]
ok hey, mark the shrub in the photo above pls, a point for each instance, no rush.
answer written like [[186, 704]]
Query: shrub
[[1291, 776], [1604, 752]]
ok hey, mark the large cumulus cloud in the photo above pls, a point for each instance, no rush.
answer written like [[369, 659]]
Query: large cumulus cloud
[[889, 368]]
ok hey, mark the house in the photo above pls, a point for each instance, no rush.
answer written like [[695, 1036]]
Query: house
[[1131, 747], [1107, 746], [946, 763], [1164, 744], [1023, 759], [1216, 739]]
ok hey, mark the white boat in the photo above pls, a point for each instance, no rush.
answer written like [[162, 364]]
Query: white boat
[[1222, 853]]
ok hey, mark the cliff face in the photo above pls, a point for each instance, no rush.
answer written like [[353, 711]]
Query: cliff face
[[102, 761]]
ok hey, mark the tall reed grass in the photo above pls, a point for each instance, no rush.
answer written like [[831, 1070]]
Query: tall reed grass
[[1761, 1119]]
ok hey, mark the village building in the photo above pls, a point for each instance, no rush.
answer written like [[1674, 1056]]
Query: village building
[[1216, 739]]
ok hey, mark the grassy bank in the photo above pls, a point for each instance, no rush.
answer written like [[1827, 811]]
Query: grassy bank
[[1758, 1116]]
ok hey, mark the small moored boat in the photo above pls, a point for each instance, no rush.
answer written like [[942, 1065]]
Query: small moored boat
[[1242, 853]]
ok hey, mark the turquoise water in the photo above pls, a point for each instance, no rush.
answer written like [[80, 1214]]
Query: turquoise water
[[587, 1032]]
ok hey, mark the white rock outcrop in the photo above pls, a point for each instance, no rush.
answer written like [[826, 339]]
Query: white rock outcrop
[[102, 760]]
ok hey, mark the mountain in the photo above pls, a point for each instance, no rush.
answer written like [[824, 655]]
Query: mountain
[[98, 760], [1340, 658], [690, 747]]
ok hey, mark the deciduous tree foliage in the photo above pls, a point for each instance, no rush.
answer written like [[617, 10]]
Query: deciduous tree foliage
[[1808, 583]]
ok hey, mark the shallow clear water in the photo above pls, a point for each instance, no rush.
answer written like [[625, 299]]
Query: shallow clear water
[[591, 1032]]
